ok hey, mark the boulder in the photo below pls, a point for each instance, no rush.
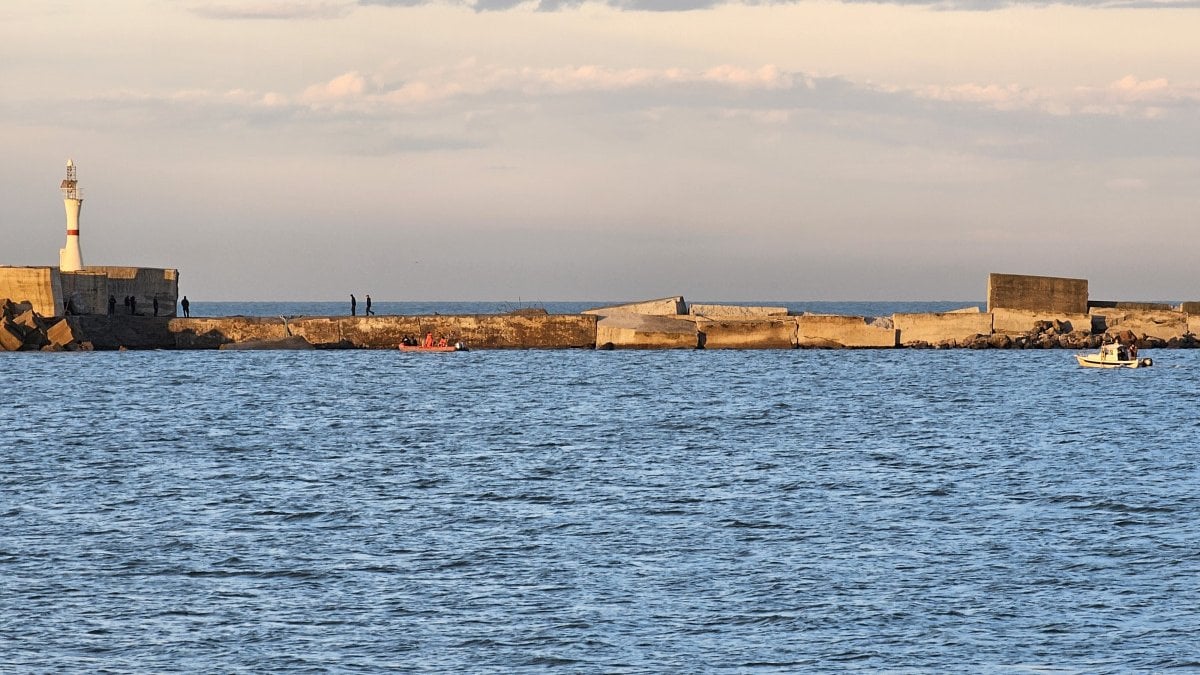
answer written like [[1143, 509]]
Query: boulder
[[1161, 324], [1000, 341]]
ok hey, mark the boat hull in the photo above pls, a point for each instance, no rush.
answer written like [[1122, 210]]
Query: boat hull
[[1092, 361], [415, 348]]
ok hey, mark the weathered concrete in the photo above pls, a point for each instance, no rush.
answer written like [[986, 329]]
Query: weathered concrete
[[40, 286], [84, 292], [1013, 321], [554, 331], [294, 343], [623, 330], [1122, 304], [1161, 324], [10, 339], [143, 283], [735, 311], [826, 330], [1056, 295], [60, 333], [663, 307], [941, 327], [1190, 307], [763, 333], [478, 331], [88, 290], [212, 332]]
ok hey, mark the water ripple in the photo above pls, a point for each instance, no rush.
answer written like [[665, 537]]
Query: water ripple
[[596, 512]]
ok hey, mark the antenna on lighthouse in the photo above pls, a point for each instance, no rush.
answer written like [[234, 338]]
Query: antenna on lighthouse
[[70, 259]]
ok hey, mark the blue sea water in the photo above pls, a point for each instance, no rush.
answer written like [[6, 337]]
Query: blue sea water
[[597, 512], [852, 308]]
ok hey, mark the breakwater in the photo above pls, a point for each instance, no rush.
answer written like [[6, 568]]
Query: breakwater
[[613, 330], [544, 331]]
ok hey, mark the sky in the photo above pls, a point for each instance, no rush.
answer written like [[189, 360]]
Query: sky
[[621, 150]]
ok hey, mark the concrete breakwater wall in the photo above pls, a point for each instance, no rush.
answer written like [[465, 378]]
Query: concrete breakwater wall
[[22, 329], [549, 331]]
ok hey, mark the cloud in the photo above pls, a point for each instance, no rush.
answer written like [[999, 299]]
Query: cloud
[[341, 88], [272, 9], [1126, 97]]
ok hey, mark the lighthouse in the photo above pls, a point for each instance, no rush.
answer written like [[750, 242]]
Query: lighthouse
[[70, 259]]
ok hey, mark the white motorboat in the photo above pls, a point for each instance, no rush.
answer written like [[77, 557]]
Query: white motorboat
[[1114, 356]]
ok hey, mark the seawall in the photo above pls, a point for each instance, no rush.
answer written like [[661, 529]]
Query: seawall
[[622, 331], [547, 331]]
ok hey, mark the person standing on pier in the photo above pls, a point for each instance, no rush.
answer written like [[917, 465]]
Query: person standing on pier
[[112, 304], [353, 305], [369, 310], [186, 306]]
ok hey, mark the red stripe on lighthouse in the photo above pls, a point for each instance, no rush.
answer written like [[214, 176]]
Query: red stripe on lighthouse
[[72, 232]]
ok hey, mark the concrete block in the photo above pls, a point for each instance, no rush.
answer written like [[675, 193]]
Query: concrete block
[[10, 341], [35, 339], [735, 311], [86, 292], [1056, 295], [317, 330], [1190, 308], [40, 286], [765, 333], [940, 327], [10, 308], [294, 343], [1014, 321], [28, 322], [60, 333], [663, 307], [1162, 324], [641, 331], [825, 330], [1193, 324]]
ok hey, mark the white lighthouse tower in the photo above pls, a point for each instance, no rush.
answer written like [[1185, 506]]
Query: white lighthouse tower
[[70, 259]]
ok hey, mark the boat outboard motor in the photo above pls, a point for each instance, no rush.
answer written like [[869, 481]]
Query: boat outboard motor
[[1146, 362]]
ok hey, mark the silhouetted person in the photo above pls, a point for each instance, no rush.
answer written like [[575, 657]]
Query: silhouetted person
[[127, 304], [369, 311], [186, 306], [156, 305], [112, 304], [353, 305]]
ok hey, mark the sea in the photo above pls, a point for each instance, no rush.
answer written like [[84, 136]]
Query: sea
[[582, 511]]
